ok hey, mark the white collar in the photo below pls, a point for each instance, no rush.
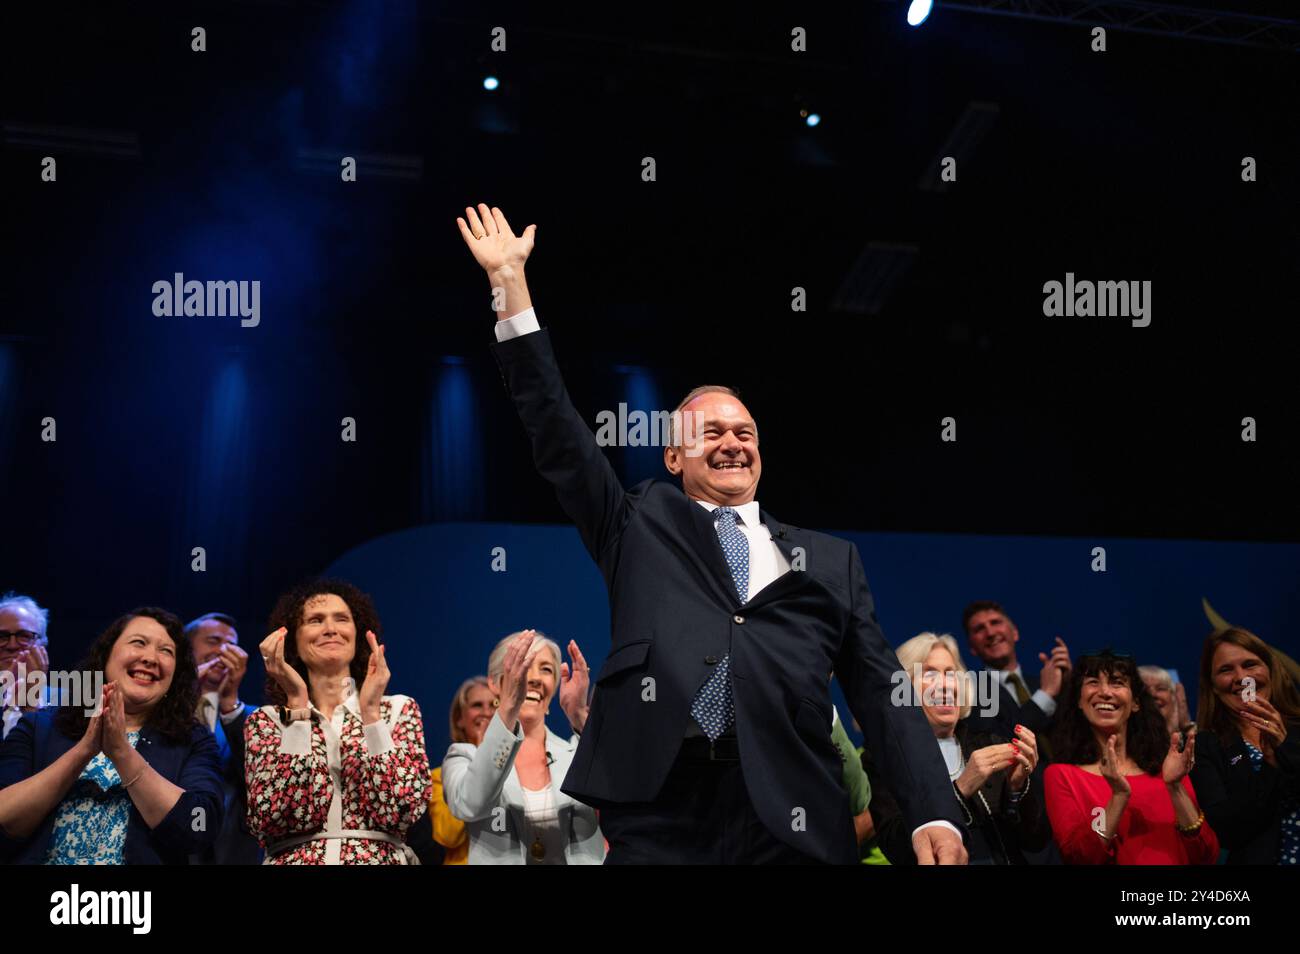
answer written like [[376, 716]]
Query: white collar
[[748, 512], [351, 702]]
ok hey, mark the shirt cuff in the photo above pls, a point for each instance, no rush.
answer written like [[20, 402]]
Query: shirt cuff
[[1044, 702], [295, 738], [948, 825], [227, 718], [521, 324], [378, 738]]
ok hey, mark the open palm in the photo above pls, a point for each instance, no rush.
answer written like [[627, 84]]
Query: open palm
[[491, 240]]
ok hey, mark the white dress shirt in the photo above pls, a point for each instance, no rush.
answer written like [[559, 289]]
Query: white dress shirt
[[210, 706], [766, 561]]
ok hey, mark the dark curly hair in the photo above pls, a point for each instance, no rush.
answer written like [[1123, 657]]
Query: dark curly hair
[[1146, 740], [289, 612], [172, 716]]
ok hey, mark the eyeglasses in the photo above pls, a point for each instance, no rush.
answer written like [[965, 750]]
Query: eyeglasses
[[25, 637]]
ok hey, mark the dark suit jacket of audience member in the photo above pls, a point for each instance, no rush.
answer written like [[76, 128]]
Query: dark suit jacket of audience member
[[1244, 807], [195, 766], [1011, 713], [1000, 834], [675, 614], [235, 845]]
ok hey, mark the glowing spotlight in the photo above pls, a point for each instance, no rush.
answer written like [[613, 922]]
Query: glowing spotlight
[[490, 83], [813, 119], [918, 11]]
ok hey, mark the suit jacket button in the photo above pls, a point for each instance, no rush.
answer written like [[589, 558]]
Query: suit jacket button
[[738, 618], [711, 660]]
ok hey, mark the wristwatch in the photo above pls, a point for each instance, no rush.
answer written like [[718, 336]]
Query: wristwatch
[[288, 715]]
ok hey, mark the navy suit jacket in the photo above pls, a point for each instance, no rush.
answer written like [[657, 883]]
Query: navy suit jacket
[[1244, 807], [1011, 712], [35, 744], [235, 845], [675, 614]]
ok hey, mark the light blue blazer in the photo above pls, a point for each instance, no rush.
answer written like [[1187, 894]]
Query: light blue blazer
[[477, 780]]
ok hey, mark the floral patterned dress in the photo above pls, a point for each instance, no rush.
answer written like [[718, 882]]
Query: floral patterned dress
[[90, 824], [334, 777]]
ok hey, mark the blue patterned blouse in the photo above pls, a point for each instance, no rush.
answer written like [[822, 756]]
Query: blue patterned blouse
[[90, 824], [1288, 849]]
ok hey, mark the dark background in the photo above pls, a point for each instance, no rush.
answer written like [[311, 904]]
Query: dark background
[[183, 432]]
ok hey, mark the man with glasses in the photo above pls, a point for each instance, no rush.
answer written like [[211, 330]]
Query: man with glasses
[[22, 652]]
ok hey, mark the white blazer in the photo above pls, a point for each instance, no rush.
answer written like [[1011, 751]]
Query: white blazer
[[478, 779]]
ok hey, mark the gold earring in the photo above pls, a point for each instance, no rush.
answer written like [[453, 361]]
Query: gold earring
[[496, 703]]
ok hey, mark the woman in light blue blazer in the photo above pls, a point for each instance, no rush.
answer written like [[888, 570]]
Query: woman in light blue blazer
[[507, 788]]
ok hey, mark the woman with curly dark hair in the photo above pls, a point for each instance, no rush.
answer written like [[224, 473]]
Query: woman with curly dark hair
[[1119, 792], [336, 774], [138, 782], [1249, 771]]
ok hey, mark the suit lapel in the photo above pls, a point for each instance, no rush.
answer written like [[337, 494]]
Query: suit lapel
[[788, 540], [558, 749], [696, 525]]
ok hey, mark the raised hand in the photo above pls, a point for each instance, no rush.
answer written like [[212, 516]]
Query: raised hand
[[286, 676], [92, 740], [492, 242], [376, 681], [1264, 717], [212, 674], [1178, 764], [235, 661], [1111, 771], [1055, 668], [514, 677], [115, 742], [1026, 755], [574, 682]]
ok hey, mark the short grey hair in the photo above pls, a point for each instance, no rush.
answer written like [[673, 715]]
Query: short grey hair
[[914, 652], [496, 661], [12, 600], [1158, 674], [676, 420]]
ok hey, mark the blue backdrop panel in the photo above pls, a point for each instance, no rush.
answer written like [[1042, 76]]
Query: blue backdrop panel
[[444, 607]]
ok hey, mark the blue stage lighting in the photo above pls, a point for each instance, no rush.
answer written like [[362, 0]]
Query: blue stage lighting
[[918, 11]]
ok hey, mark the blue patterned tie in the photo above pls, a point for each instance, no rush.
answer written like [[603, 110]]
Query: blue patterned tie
[[713, 708]]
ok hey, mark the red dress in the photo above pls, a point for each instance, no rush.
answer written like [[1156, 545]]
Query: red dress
[[1148, 833]]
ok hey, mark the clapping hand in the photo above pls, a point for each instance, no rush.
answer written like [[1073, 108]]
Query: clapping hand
[[1110, 769], [1026, 754], [1055, 668], [376, 681], [1177, 764], [286, 676], [514, 677], [574, 683]]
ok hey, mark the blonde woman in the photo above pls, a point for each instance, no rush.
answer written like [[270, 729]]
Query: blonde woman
[[990, 775], [507, 789]]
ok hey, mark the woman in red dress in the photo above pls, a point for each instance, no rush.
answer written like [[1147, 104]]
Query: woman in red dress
[[1119, 792]]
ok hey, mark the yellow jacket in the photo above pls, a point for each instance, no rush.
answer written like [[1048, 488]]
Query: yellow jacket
[[448, 830]]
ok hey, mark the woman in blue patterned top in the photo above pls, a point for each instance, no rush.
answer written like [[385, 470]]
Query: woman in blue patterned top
[[1247, 771], [138, 783]]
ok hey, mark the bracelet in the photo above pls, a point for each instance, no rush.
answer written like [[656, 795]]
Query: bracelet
[[1194, 827], [136, 779], [235, 708]]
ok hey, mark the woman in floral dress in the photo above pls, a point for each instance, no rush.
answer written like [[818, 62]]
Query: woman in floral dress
[[336, 775]]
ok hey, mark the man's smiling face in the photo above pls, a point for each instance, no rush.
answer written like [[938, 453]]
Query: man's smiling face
[[718, 457]]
